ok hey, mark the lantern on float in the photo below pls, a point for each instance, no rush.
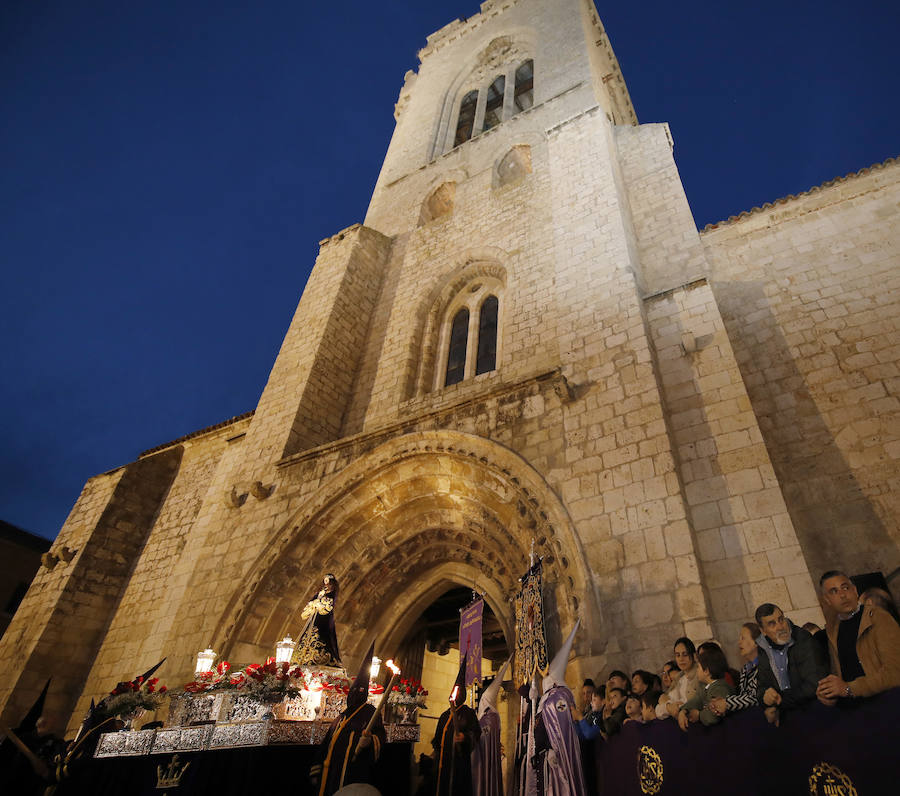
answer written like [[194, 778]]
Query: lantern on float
[[284, 649], [374, 668], [205, 660]]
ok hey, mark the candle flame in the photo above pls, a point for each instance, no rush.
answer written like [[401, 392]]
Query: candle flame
[[393, 667], [454, 694]]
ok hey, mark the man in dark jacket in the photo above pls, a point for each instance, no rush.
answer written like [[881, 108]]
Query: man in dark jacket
[[791, 663]]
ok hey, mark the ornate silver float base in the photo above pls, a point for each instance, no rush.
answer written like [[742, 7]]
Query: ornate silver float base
[[229, 736]]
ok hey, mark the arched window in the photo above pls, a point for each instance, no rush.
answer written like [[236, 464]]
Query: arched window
[[468, 341], [506, 95], [493, 107], [486, 361], [465, 125], [456, 353], [523, 98]]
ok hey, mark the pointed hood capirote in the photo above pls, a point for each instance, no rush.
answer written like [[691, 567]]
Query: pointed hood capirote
[[29, 723], [489, 697], [152, 670], [556, 672], [359, 688], [460, 685]]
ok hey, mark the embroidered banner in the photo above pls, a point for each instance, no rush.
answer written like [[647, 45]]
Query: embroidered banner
[[470, 639], [531, 641]]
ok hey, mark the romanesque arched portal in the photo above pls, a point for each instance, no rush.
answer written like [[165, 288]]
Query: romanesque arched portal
[[421, 511]]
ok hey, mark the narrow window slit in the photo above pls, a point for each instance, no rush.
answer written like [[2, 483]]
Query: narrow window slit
[[465, 125], [456, 355], [523, 97], [486, 361], [493, 109]]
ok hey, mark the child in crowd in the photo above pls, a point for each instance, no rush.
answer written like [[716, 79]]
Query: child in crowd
[[633, 709], [711, 668], [614, 712], [649, 701], [595, 714], [592, 723]]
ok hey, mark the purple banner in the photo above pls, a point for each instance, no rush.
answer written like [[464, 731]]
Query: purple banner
[[470, 639]]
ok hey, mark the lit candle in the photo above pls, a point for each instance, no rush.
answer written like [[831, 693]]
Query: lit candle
[[367, 732]]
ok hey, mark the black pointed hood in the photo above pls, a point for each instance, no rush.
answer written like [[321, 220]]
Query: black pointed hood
[[359, 689], [460, 684], [149, 673], [29, 723]]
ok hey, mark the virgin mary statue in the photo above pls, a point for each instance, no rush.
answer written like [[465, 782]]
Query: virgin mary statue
[[317, 645]]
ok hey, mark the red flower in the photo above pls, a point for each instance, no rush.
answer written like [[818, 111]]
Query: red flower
[[163, 689]]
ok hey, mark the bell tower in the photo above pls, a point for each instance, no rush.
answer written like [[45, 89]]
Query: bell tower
[[480, 73]]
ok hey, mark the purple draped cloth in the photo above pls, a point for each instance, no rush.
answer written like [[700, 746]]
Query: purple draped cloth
[[487, 770], [563, 774]]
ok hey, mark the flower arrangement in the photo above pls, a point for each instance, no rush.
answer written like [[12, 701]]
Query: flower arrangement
[[409, 691], [219, 679], [271, 681], [129, 697]]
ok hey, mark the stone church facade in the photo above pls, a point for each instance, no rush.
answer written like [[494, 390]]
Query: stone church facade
[[526, 340]]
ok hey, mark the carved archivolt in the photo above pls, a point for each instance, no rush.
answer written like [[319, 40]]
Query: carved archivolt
[[422, 508], [501, 52]]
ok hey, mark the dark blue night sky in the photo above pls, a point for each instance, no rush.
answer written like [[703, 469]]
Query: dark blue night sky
[[168, 168]]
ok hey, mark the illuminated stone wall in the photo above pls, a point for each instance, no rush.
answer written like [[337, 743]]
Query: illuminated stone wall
[[684, 424], [809, 290]]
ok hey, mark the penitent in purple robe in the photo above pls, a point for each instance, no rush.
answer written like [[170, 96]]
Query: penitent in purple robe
[[564, 775], [487, 771]]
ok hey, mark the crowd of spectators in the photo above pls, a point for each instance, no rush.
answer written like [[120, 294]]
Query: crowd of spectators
[[782, 667]]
